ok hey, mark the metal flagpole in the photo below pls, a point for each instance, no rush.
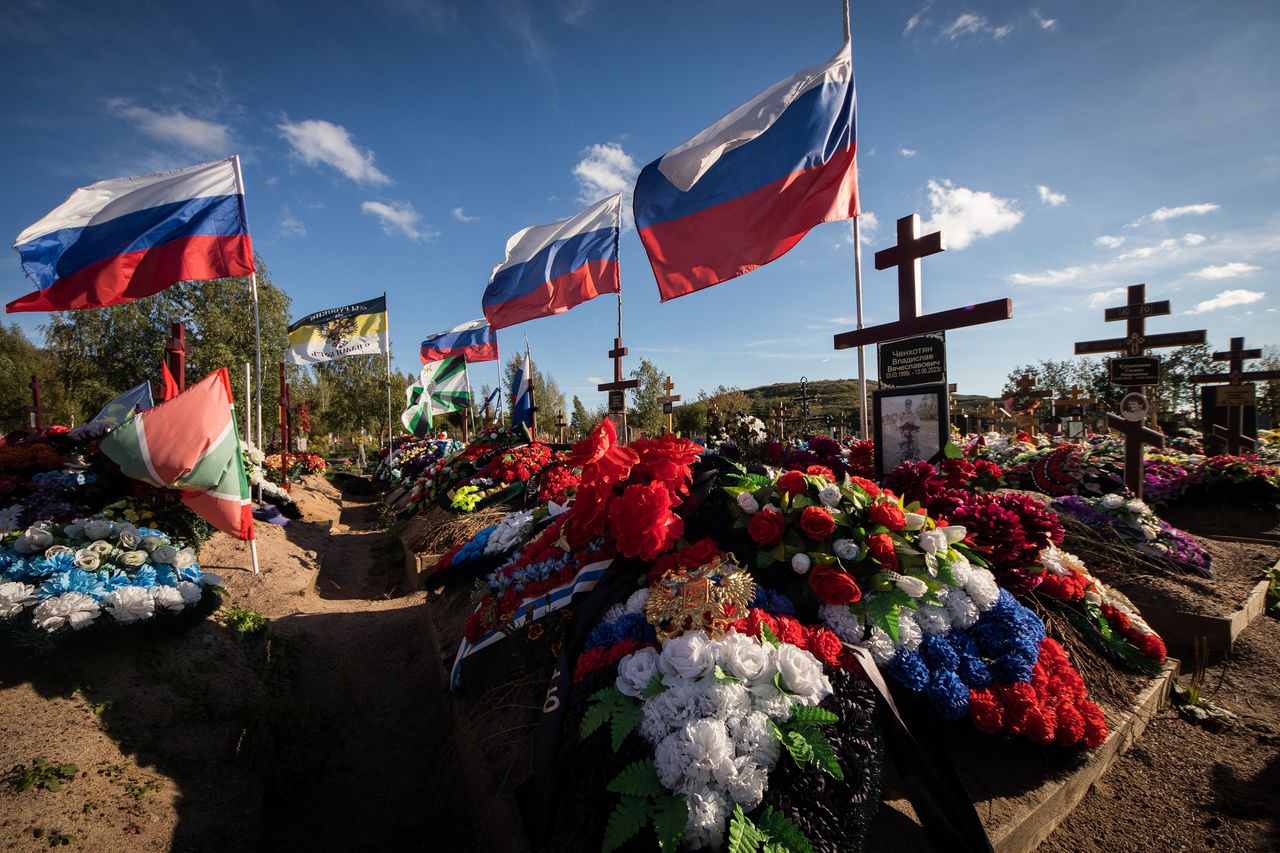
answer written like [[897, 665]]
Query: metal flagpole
[[253, 554], [467, 424], [497, 411], [387, 312], [248, 404], [857, 262], [257, 326]]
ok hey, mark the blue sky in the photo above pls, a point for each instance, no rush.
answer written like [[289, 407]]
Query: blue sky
[[1065, 149]]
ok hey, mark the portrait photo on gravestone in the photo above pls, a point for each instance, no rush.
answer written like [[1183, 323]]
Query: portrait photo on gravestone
[[910, 425]]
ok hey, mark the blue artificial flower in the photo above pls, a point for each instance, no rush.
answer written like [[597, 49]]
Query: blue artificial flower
[[771, 601], [948, 694], [192, 573], [969, 664], [40, 566], [144, 577], [165, 575], [75, 580], [906, 668], [937, 653]]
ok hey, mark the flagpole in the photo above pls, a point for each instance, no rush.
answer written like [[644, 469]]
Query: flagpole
[[253, 554], [533, 400], [257, 326], [497, 409], [387, 312], [857, 265], [467, 424], [248, 403]]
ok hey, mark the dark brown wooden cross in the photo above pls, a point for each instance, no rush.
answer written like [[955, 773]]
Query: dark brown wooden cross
[[804, 399], [1235, 377], [1136, 434], [1027, 419], [619, 384], [560, 425], [668, 400], [1136, 341], [36, 408], [906, 257], [1075, 400]]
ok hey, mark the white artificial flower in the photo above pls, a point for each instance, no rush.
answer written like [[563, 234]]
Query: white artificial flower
[[747, 503], [152, 541], [709, 812], [964, 612], [132, 559], [954, 533], [769, 700], [1092, 596], [1112, 501], [668, 711], [800, 563], [915, 521], [1135, 506], [635, 671], [98, 528], [554, 509], [75, 530], [88, 560], [164, 554], [54, 550], [752, 736], [842, 621], [9, 519], [932, 541], [743, 657], [935, 619], [101, 547], [709, 751], [846, 549], [688, 656], [909, 632], [670, 758], [14, 596], [913, 587], [167, 598], [982, 588], [724, 699], [637, 600], [614, 613], [33, 541], [830, 495], [747, 786], [71, 608], [128, 536], [1149, 532], [801, 674], [880, 645], [129, 604], [190, 592], [186, 557]]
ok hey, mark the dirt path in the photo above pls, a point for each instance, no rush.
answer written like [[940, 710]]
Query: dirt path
[[326, 732]]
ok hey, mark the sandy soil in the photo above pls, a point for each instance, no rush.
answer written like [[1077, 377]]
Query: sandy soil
[[323, 733]]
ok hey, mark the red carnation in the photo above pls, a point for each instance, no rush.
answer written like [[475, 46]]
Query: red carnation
[[594, 445], [826, 646], [880, 547], [586, 518], [816, 523], [642, 522], [667, 459], [766, 527], [821, 471], [889, 515], [832, 585], [986, 710], [793, 483]]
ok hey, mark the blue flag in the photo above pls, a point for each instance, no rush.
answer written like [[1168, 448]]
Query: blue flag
[[121, 408]]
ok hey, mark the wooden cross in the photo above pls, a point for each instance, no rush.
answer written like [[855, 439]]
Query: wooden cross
[[560, 425], [668, 400], [1136, 341], [1135, 435], [1027, 419], [906, 257], [780, 414], [804, 399], [619, 384], [1075, 401], [36, 408], [1235, 377]]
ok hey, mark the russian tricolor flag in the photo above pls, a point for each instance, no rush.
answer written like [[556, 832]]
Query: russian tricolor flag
[[551, 268], [745, 190], [474, 341], [120, 240]]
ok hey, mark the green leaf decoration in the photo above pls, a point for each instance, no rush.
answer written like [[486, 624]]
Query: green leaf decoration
[[638, 779], [801, 501], [783, 831], [669, 815], [946, 575], [653, 688], [766, 634], [602, 704], [625, 718], [628, 818], [824, 755], [798, 745], [721, 675], [1095, 628], [812, 714], [883, 612], [763, 560], [952, 452], [744, 836]]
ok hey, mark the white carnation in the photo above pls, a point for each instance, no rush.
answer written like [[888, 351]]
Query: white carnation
[[637, 600], [71, 608], [747, 786], [14, 596], [964, 613], [167, 598], [670, 758], [614, 613], [982, 588], [709, 751], [842, 621], [909, 632], [709, 812], [1112, 501], [880, 645], [723, 699], [190, 592], [129, 604]]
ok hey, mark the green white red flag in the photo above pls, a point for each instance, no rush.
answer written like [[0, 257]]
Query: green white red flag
[[190, 443]]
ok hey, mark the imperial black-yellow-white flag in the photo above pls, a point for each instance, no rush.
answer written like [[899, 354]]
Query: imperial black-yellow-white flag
[[359, 329], [441, 387]]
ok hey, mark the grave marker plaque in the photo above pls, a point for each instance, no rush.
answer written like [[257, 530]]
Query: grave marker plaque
[[920, 360], [1134, 370]]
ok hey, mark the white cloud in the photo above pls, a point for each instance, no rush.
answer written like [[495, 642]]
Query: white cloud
[[604, 170], [917, 19], [1166, 246], [1193, 239], [907, 152], [1106, 298], [1109, 242], [317, 141], [1161, 214], [204, 137], [461, 215], [1231, 270], [1048, 276], [399, 217], [1227, 299], [1045, 23], [868, 225], [1001, 32], [1050, 197], [291, 225], [964, 215], [966, 24]]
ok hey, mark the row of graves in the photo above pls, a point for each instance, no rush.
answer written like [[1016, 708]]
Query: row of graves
[[805, 642]]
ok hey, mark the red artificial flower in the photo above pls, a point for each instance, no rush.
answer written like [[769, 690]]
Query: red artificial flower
[[816, 523], [793, 483], [880, 547], [1068, 587], [889, 515], [821, 471], [792, 632], [826, 646], [642, 522], [668, 459], [867, 486], [591, 448], [957, 471], [1095, 725], [614, 466], [699, 553], [986, 711], [585, 520], [766, 527], [832, 585]]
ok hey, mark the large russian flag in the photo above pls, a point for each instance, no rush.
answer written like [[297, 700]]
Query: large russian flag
[[745, 190], [474, 341], [126, 238], [551, 268]]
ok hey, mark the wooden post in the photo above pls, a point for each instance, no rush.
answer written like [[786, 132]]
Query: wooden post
[[560, 425], [36, 408], [668, 400], [284, 429]]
